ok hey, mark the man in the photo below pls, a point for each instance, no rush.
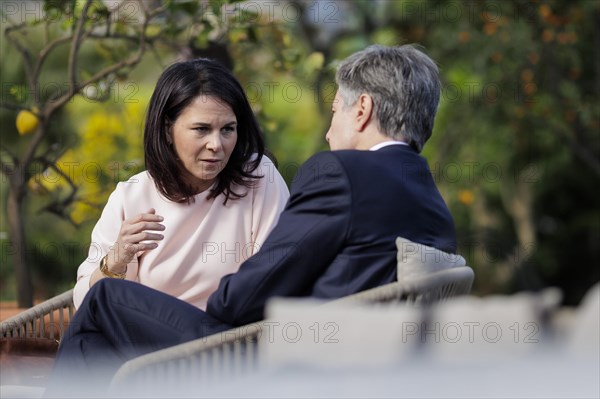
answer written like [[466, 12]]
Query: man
[[335, 237]]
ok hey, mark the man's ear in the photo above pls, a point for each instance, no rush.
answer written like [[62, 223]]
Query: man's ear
[[363, 111]]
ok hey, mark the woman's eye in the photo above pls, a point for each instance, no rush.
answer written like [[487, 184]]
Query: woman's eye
[[201, 129], [228, 129]]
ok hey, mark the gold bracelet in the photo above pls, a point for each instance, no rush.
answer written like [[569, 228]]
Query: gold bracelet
[[104, 270]]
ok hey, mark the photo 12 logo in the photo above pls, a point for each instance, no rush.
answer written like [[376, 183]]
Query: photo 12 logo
[[489, 332], [18, 11]]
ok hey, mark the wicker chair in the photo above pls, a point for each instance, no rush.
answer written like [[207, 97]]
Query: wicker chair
[[45, 320], [236, 352]]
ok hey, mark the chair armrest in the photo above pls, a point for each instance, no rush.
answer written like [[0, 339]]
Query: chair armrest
[[45, 320], [205, 358], [426, 289]]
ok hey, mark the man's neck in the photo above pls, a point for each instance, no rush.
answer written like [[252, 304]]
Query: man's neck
[[370, 140]]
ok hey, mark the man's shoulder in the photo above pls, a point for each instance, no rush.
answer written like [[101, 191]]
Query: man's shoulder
[[338, 157], [320, 157], [322, 167], [358, 163], [391, 155], [325, 160]]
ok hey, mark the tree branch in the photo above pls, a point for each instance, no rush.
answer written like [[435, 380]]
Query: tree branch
[[59, 206], [9, 152], [151, 14], [120, 36], [44, 157], [135, 59], [74, 51], [44, 53], [52, 165], [46, 32], [8, 169], [27, 57], [12, 107]]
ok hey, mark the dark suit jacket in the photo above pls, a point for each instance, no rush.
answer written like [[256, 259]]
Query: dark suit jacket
[[337, 234]]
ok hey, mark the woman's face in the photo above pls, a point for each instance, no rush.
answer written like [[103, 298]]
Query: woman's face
[[204, 136]]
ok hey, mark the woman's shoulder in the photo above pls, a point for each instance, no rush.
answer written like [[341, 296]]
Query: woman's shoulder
[[139, 182], [266, 171], [265, 165]]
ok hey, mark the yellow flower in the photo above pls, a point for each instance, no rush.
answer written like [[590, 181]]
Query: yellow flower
[[466, 197]]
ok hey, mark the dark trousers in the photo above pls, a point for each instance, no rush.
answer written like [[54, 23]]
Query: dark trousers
[[117, 321]]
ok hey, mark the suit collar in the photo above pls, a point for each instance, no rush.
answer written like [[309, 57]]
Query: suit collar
[[386, 144], [399, 148]]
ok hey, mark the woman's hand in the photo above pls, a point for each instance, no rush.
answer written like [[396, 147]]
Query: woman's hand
[[136, 235]]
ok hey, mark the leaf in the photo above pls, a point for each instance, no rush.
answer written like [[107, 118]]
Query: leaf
[[315, 61], [187, 7], [77, 9], [243, 16], [97, 12], [237, 35], [216, 6], [67, 24], [53, 8], [153, 30], [19, 92]]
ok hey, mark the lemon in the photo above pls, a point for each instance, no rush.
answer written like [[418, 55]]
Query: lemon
[[27, 121]]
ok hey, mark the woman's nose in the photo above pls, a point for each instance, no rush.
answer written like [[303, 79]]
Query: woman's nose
[[214, 142]]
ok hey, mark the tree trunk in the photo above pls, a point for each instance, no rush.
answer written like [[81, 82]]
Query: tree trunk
[[17, 235]]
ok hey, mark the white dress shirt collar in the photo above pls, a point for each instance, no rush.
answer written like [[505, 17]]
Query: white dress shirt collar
[[385, 144]]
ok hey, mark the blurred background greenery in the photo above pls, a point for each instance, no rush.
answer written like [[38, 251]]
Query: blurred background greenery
[[515, 151]]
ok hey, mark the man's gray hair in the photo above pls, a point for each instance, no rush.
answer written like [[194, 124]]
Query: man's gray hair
[[404, 84]]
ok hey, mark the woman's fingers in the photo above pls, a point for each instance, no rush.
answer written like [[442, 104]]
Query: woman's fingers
[[138, 234], [133, 248], [144, 236], [143, 240], [142, 226], [141, 222], [149, 216]]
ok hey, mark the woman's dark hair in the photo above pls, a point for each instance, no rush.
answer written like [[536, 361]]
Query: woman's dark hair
[[176, 88]]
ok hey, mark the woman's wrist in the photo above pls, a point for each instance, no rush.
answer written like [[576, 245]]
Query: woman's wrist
[[105, 270]]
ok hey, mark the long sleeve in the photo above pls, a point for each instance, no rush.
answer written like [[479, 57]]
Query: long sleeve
[[104, 235], [309, 234]]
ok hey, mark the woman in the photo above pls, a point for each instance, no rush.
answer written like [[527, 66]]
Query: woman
[[208, 197]]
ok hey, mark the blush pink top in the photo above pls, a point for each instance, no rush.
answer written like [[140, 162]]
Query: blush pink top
[[203, 241]]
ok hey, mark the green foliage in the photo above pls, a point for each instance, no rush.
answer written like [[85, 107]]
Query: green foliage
[[515, 150]]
